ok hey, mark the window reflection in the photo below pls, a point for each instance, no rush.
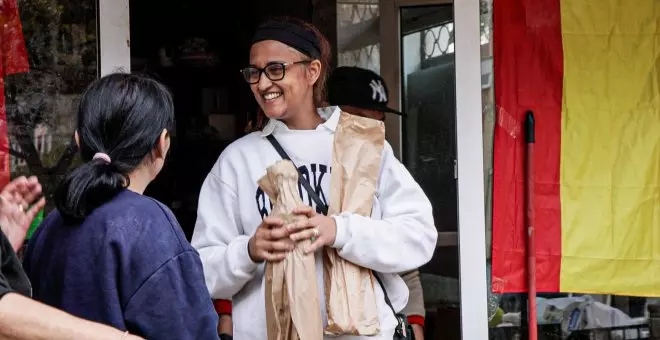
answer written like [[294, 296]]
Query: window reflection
[[358, 34], [43, 85]]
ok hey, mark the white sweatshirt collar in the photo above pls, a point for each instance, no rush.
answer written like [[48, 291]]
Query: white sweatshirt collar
[[330, 114]]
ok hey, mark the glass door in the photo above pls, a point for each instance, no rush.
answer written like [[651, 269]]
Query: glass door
[[429, 149], [428, 51]]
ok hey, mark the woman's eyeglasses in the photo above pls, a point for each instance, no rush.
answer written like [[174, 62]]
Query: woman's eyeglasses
[[274, 71]]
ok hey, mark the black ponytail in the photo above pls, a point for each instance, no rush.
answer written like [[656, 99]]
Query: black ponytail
[[88, 187], [121, 116]]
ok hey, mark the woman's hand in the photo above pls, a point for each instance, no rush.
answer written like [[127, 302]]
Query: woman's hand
[[16, 214], [270, 242], [321, 229]]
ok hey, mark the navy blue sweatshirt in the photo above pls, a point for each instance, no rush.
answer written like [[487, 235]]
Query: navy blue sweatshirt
[[127, 265]]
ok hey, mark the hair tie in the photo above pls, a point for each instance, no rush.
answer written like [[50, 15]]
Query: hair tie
[[103, 156]]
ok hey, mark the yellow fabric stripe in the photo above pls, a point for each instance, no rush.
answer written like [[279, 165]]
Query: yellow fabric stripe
[[610, 164]]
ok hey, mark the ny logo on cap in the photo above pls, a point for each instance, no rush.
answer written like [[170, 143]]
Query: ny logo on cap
[[378, 91]]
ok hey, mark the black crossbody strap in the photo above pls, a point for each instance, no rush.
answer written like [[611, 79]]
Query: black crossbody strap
[[324, 208], [401, 331], [387, 298], [305, 183]]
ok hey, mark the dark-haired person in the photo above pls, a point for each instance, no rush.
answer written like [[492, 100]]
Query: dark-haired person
[[364, 93], [287, 74], [20, 317], [108, 253]]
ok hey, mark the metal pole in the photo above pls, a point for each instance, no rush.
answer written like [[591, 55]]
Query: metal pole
[[529, 222]]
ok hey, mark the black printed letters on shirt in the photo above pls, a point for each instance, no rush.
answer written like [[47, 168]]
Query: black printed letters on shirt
[[314, 173]]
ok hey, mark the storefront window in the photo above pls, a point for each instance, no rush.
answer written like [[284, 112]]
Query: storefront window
[[49, 57]]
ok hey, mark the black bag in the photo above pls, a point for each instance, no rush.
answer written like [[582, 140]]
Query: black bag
[[403, 330]]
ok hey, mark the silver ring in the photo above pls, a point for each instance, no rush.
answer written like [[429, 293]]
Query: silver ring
[[316, 232]]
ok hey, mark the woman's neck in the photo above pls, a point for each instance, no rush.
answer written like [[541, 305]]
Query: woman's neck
[[140, 179], [305, 119]]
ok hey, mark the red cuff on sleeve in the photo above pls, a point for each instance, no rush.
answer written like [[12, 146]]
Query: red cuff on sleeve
[[222, 306], [416, 320]]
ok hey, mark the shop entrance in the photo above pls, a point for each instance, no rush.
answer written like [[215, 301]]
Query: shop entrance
[[196, 48]]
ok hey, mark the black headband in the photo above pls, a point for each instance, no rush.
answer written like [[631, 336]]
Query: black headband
[[289, 34]]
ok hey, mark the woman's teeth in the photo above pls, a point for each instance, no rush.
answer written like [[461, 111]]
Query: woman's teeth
[[272, 95]]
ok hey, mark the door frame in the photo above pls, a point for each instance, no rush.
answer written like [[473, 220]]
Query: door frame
[[471, 238], [114, 36]]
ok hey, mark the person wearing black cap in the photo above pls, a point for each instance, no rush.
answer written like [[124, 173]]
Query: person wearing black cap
[[364, 93], [360, 92], [234, 233]]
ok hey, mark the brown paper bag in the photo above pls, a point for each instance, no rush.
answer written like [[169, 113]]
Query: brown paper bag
[[292, 299], [349, 288]]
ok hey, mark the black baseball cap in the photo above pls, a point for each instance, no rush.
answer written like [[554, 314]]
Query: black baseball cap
[[358, 87]]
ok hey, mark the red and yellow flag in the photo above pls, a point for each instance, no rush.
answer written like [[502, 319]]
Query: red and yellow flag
[[590, 72]]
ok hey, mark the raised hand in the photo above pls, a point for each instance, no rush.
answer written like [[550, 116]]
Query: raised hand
[[18, 208]]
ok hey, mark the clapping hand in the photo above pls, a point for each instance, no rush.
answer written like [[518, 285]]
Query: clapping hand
[[18, 208]]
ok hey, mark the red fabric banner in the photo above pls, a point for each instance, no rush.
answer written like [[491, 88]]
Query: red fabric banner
[[14, 60], [528, 68]]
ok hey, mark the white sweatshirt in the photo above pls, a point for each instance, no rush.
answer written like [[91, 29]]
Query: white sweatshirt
[[400, 235]]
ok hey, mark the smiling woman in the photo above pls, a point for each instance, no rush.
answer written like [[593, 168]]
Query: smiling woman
[[286, 98], [293, 47], [235, 233]]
